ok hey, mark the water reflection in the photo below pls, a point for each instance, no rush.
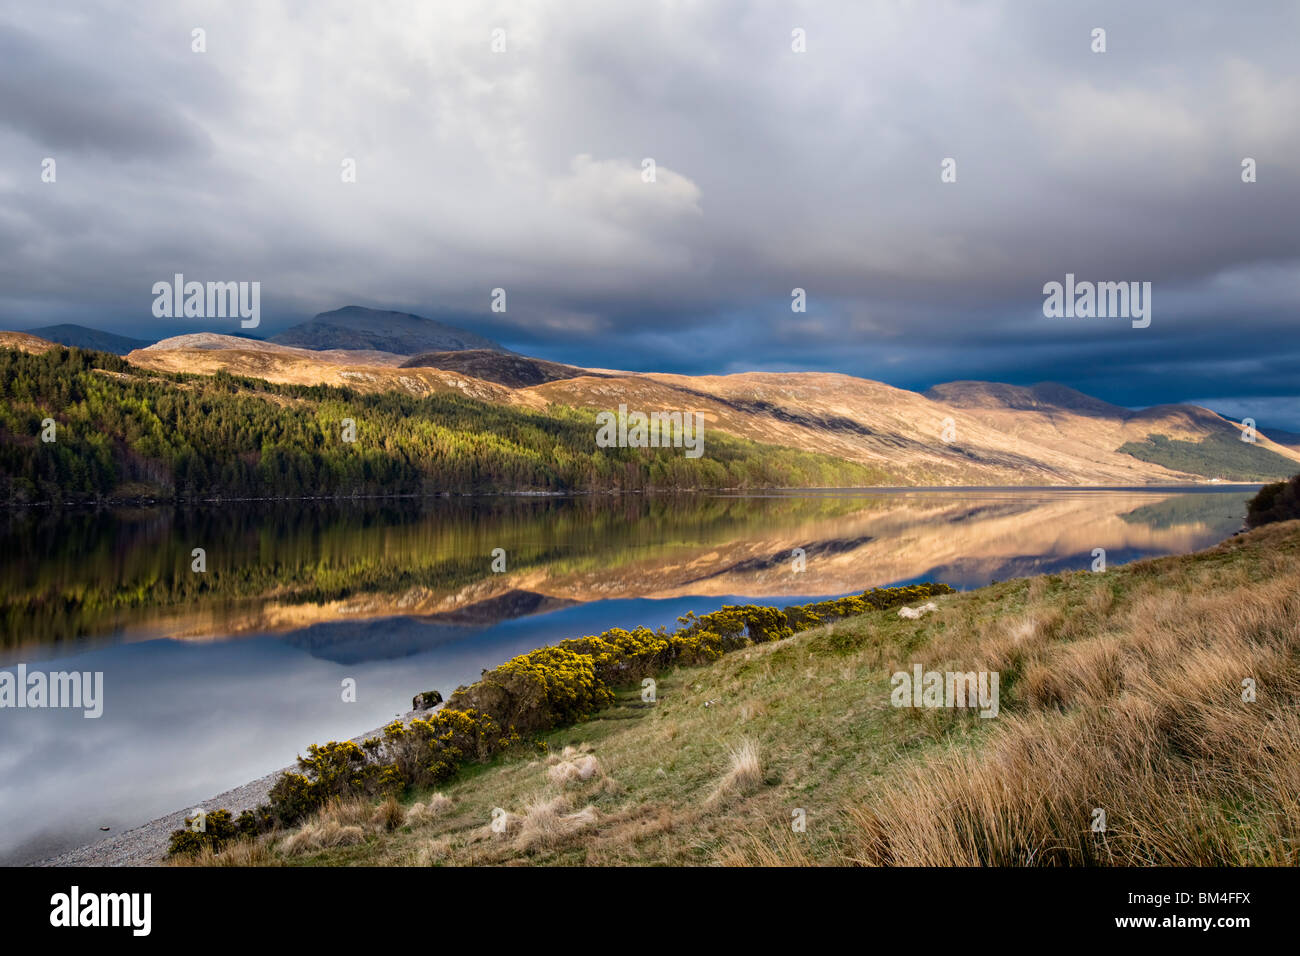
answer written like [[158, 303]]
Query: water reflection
[[286, 567], [213, 680]]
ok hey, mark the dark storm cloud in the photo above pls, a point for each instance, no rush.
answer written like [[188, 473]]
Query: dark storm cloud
[[776, 170], [65, 104]]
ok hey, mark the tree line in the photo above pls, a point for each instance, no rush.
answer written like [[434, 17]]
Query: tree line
[[124, 432]]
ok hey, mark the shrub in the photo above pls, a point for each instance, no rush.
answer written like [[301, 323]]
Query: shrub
[[546, 688], [429, 750], [550, 687], [218, 830], [1279, 501], [330, 770], [620, 656]]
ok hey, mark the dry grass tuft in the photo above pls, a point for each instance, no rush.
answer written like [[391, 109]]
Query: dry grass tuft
[[744, 774], [547, 824], [775, 847], [319, 836], [1145, 721], [581, 769], [240, 853], [389, 815], [434, 851], [338, 823], [422, 813], [752, 709]]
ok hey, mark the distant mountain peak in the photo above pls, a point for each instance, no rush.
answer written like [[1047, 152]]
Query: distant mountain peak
[[383, 330], [1044, 396], [81, 337], [502, 368]]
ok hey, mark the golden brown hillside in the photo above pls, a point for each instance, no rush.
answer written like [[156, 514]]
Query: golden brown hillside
[[962, 433], [363, 371], [25, 343]]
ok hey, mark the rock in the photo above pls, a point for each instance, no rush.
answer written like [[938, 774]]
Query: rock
[[912, 614], [429, 698]]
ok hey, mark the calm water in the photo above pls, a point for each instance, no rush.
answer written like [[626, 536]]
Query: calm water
[[215, 679]]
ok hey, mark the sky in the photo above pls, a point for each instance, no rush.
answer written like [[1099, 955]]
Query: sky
[[522, 169]]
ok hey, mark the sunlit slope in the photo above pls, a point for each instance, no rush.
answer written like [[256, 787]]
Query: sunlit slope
[[971, 433], [1053, 416]]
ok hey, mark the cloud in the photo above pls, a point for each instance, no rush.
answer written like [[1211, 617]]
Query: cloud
[[68, 101], [774, 170]]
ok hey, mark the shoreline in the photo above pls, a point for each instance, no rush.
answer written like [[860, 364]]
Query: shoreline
[[113, 504], [146, 844]]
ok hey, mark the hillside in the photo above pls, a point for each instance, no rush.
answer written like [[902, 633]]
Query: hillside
[[362, 370], [81, 337], [1289, 439], [514, 371], [859, 420], [1002, 434], [1180, 438], [124, 431], [1121, 691], [1045, 397], [1225, 456], [357, 328], [963, 433], [25, 342], [1060, 437]]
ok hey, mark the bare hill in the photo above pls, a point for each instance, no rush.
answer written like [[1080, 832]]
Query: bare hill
[[81, 337], [25, 342], [1069, 421], [962, 433], [361, 371], [515, 371], [354, 327]]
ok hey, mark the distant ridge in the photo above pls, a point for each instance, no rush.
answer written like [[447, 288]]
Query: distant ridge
[[80, 337], [961, 432], [402, 333], [214, 340], [515, 371], [234, 344], [1040, 397], [1290, 439]]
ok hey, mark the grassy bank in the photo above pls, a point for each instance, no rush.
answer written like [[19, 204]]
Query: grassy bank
[[89, 427], [1120, 691]]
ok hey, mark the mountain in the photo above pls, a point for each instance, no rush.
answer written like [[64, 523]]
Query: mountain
[[214, 340], [515, 371], [1290, 439], [872, 423], [1044, 397], [231, 344], [399, 333], [958, 433], [1180, 438], [80, 337], [367, 371], [25, 342]]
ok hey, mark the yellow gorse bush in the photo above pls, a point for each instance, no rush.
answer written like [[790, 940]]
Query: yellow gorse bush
[[553, 686]]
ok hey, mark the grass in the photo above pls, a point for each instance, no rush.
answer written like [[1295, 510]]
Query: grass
[[1121, 692], [1215, 456]]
